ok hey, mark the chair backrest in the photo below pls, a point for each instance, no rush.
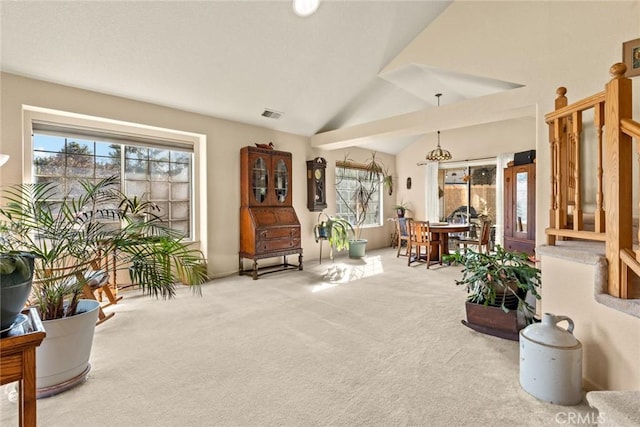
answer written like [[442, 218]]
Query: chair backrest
[[402, 226], [420, 231], [460, 218], [485, 233]]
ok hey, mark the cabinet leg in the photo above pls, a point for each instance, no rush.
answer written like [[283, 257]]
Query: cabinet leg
[[300, 262], [240, 265], [255, 269]]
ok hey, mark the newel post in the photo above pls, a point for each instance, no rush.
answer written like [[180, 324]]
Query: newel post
[[618, 176], [557, 141]]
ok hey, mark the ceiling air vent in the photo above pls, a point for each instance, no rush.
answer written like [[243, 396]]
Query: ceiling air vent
[[272, 114]]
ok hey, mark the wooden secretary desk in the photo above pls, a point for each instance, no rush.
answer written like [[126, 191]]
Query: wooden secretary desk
[[269, 226]]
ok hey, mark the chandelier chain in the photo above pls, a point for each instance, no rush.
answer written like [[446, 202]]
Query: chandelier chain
[[438, 154]]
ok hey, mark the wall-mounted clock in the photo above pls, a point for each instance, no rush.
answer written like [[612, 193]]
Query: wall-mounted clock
[[316, 188]]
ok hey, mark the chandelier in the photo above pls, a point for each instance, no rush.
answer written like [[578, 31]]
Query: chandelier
[[438, 154]]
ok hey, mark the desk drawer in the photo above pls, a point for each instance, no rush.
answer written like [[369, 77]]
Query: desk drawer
[[11, 368], [264, 246], [278, 233]]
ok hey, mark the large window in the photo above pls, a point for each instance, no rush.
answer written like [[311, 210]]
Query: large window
[[355, 186], [160, 174]]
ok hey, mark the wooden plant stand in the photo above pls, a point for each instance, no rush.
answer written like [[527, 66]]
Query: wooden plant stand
[[493, 321], [18, 363]]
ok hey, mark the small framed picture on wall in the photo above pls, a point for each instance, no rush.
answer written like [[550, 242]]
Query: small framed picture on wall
[[631, 57]]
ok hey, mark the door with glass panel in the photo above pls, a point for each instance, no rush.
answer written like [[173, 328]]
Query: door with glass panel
[[467, 193]]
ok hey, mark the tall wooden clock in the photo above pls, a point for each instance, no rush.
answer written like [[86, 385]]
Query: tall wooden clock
[[316, 184]]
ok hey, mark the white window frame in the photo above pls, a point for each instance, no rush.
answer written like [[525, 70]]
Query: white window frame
[[356, 166], [33, 114]]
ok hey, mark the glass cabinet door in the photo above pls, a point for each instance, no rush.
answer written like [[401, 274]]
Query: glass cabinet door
[[521, 198], [281, 176], [259, 180]]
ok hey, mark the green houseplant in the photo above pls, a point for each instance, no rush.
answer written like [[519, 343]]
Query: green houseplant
[[16, 276], [401, 209], [387, 182], [501, 280], [334, 229], [66, 232], [364, 187]]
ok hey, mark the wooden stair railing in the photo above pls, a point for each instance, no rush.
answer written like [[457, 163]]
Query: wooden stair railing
[[614, 183], [565, 133]]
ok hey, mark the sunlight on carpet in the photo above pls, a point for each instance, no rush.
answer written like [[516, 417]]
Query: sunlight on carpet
[[341, 273]]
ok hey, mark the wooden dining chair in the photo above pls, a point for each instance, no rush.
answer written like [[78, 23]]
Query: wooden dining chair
[[420, 236], [402, 231], [481, 240]]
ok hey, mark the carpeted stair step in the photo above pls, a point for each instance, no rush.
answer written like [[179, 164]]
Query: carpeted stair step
[[616, 408]]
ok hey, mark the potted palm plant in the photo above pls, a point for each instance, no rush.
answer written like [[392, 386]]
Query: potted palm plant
[[67, 234], [365, 181], [498, 286]]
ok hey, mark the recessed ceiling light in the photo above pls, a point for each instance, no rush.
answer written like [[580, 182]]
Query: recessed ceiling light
[[305, 8]]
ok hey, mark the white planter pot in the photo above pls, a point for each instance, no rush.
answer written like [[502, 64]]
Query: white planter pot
[[62, 360]]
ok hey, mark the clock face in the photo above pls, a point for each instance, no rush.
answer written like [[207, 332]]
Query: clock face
[[318, 174]]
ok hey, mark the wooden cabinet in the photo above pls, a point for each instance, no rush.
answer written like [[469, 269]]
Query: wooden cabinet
[[265, 177], [520, 208], [269, 226]]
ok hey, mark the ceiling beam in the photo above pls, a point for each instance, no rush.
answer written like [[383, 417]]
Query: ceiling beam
[[487, 109]]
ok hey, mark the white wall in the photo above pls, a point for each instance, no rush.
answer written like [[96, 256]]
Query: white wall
[[610, 338], [467, 143], [543, 45], [540, 44], [224, 140]]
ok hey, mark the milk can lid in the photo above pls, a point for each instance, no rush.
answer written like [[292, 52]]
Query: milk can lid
[[549, 333]]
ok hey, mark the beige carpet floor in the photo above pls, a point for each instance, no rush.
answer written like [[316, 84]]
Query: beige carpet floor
[[354, 343]]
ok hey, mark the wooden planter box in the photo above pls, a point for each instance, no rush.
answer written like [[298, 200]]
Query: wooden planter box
[[493, 321]]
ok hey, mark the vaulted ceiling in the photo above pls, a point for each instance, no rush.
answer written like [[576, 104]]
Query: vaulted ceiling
[[234, 59]]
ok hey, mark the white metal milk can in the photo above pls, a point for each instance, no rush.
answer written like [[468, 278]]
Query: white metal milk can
[[551, 361]]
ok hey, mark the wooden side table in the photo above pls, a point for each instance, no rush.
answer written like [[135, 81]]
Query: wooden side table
[[18, 363]]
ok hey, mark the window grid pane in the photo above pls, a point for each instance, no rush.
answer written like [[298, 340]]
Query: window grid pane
[[468, 193], [346, 200], [66, 161]]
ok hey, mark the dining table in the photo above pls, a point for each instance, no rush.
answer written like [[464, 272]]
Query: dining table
[[441, 232]]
